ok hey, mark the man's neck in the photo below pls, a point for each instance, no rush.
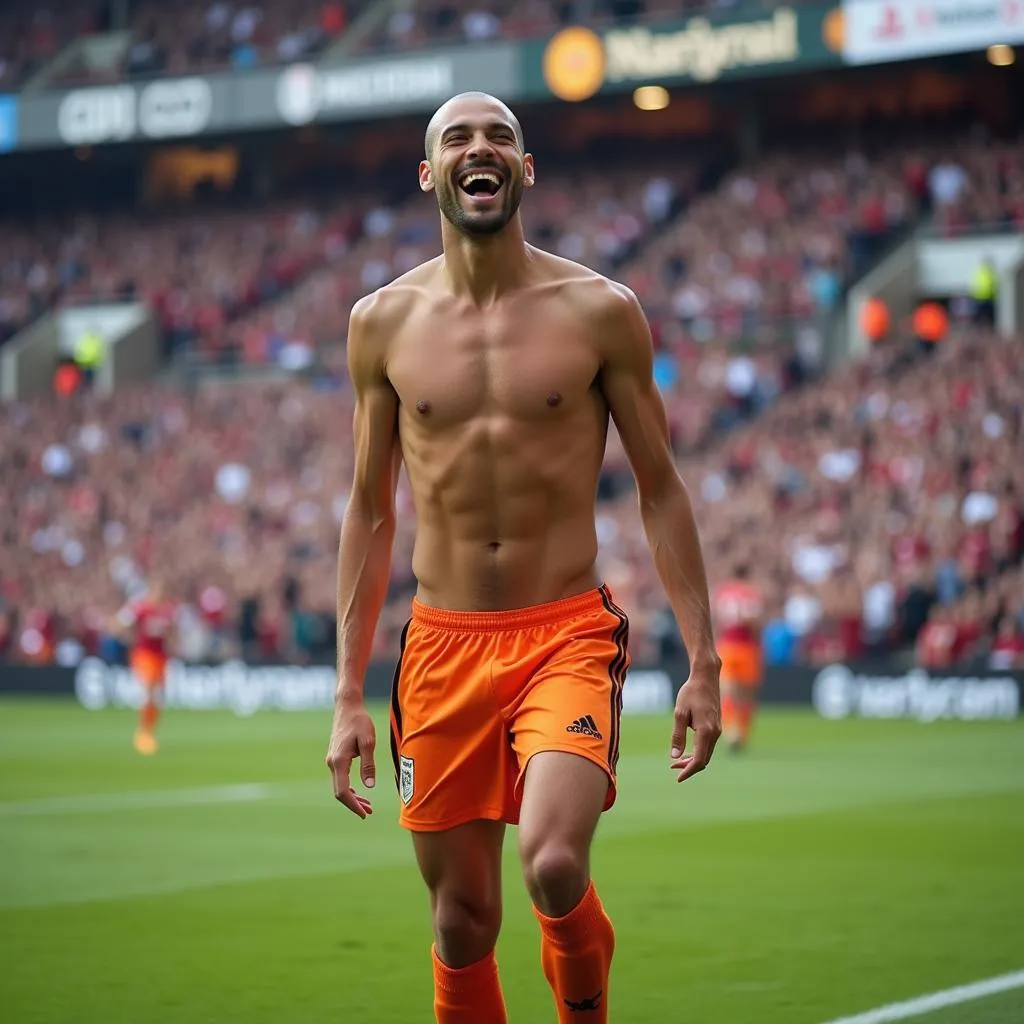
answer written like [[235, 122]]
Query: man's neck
[[484, 267]]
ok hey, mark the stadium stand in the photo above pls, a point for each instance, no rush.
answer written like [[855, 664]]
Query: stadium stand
[[599, 221], [214, 35], [32, 34], [241, 283], [899, 504], [765, 255], [736, 281], [196, 269], [435, 22]]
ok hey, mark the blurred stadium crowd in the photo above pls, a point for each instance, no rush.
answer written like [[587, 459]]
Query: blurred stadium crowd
[[894, 486]]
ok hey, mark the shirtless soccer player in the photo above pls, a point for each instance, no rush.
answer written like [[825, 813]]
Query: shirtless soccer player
[[492, 371]]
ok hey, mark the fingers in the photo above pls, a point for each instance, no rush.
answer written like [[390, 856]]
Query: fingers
[[367, 771], [678, 748], [358, 805], [341, 767], [703, 745]]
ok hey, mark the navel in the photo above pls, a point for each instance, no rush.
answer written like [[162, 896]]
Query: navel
[[423, 406], [554, 399]]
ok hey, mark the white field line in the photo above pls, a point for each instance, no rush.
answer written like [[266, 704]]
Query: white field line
[[100, 803], [936, 1000]]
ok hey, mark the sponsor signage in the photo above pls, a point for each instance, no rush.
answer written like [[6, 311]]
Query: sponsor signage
[[173, 108], [577, 62], [648, 692], [884, 30], [246, 689], [839, 691], [305, 93], [835, 692], [295, 95]]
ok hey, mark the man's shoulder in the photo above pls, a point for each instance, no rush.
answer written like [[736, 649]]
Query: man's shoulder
[[590, 293], [391, 304]]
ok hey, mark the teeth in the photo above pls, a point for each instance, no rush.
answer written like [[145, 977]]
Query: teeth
[[481, 176]]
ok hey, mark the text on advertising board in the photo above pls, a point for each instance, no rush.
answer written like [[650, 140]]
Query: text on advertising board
[[839, 692], [164, 109], [304, 92], [883, 30], [702, 50], [246, 689]]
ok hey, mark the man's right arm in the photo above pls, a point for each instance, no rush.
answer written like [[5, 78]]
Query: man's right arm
[[364, 552], [368, 525]]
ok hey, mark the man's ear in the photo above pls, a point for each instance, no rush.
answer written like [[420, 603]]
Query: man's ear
[[426, 176], [529, 175]]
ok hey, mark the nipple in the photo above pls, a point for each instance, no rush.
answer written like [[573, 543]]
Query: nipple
[[423, 406], [554, 399]]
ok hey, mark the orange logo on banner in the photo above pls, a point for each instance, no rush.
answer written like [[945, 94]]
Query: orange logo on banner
[[833, 30], [574, 64]]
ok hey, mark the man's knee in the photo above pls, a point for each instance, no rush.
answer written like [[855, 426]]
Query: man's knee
[[466, 930], [557, 875]]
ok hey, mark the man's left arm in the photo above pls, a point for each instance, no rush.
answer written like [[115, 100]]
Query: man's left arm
[[636, 407]]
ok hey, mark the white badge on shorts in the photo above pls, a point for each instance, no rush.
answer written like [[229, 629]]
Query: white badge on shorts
[[407, 778]]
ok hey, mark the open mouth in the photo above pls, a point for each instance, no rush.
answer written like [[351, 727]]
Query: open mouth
[[481, 184]]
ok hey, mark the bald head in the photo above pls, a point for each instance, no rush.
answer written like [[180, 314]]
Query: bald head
[[454, 109]]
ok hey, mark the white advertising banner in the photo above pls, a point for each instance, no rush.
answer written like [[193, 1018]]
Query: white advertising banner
[[884, 30]]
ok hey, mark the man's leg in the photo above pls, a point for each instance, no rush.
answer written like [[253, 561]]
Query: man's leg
[[748, 709], [151, 676], [563, 796], [462, 869], [731, 713]]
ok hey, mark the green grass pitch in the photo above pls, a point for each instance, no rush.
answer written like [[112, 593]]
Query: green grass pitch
[[833, 868]]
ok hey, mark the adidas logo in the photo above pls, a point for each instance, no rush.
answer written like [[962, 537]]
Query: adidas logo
[[585, 726]]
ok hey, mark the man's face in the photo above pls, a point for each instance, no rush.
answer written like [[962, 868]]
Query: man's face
[[477, 168]]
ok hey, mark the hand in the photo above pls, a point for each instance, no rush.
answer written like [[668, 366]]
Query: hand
[[698, 707], [352, 736]]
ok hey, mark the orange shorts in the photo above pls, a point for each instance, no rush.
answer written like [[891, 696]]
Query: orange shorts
[[741, 663], [477, 694], [149, 667]]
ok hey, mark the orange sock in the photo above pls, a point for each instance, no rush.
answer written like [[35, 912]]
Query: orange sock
[[468, 995], [148, 715], [576, 951]]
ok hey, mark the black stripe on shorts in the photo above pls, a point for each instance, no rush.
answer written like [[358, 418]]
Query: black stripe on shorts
[[617, 674], [396, 705]]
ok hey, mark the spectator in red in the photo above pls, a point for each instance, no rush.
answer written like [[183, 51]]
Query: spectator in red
[[333, 19], [970, 625], [1007, 650], [936, 642]]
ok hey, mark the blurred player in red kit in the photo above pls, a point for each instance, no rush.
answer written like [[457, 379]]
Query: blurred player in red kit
[[151, 619], [738, 611]]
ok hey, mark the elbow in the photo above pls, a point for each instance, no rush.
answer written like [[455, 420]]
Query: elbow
[[373, 517], [384, 524], [661, 489]]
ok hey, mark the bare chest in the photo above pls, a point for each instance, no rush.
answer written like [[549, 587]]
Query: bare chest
[[524, 365]]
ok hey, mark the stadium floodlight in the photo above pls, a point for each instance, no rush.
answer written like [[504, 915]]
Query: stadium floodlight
[[651, 97]]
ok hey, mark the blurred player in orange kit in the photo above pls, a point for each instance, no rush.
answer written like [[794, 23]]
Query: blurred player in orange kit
[[738, 610], [151, 618]]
